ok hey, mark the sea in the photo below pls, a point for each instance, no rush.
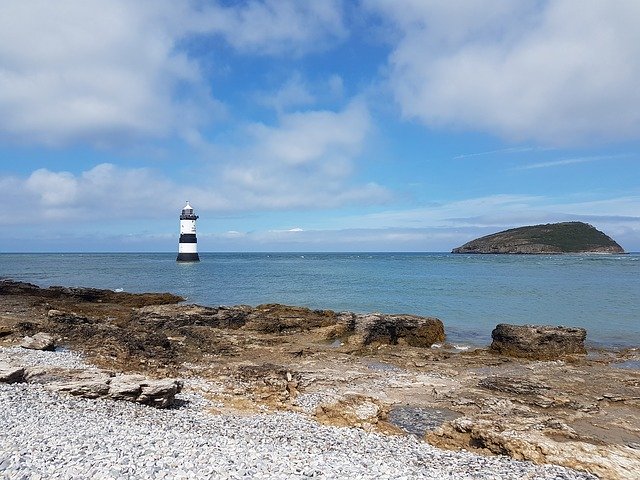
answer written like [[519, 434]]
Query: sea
[[469, 293]]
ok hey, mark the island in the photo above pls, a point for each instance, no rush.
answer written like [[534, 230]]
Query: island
[[564, 237]]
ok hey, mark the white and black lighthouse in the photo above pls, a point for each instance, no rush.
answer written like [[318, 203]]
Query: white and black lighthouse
[[188, 246]]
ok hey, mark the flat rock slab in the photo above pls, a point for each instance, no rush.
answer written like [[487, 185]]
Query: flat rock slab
[[131, 388], [96, 384], [539, 342], [11, 373], [40, 341]]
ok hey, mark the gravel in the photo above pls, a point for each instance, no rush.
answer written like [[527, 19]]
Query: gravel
[[45, 435]]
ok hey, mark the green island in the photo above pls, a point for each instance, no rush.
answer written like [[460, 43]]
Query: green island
[[565, 237]]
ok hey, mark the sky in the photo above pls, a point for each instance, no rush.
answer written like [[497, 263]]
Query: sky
[[325, 125]]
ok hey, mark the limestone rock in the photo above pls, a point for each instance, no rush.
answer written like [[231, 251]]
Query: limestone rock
[[159, 393], [11, 373], [285, 320], [281, 319], [100, 384], [539, 342], [125, 387], [175, 316], [517, 386], [40, 341], [530, 440], [352, 410], [393, 329], [87, 388]]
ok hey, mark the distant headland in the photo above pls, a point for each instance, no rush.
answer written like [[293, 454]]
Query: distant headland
[[565, 237]]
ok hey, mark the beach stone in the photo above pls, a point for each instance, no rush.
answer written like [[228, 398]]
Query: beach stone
[[11, 373], [539, 342], [77, 382], [125, 387], [40, 341], [159, 393]]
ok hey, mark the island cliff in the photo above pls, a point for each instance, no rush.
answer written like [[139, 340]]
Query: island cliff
[[566, 237]]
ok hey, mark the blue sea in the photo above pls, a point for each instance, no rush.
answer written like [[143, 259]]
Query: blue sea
[[469, 293]]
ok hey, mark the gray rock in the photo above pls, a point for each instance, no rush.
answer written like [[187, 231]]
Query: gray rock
[[130, 388], [86, 388], [10, 373], [159, 393], [125, 387], [540, 342], [40, 341]]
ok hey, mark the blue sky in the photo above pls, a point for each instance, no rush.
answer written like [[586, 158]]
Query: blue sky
[[372, 125]]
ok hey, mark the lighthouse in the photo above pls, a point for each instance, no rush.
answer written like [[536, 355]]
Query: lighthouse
[[188, 246]]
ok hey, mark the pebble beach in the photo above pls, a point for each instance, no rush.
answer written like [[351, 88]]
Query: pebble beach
[[48, 435]]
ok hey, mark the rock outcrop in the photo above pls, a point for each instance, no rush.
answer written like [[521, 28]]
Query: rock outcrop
[[540, 440], [540, 342], [394, 329], [83, 294], [567, 237], [355, 329]]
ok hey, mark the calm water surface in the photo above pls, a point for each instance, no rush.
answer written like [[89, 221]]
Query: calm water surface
[[469, 293]]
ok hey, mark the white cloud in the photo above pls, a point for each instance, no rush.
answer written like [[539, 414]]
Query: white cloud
[[293, 93], [304, 161], [572, 161], [108, 72], [556, 72], [102, 192], [87, 70], [275, 26]]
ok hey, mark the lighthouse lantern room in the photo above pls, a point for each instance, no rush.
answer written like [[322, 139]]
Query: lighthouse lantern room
[[188, 246]]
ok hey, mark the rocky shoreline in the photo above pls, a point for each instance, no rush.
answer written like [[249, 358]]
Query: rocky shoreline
[[386, 377]]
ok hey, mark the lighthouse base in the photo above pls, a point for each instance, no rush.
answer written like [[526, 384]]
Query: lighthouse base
[[188, 257]]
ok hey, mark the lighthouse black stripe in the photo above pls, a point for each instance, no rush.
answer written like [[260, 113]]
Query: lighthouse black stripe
[[188, 257], [188, 238]]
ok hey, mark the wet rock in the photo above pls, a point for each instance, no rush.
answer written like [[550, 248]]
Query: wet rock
[[11, 373], [418, 420], [82, 294], [539, 342], [40, 341]]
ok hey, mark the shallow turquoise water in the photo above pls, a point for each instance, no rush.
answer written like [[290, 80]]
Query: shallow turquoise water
[[469, 293]]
